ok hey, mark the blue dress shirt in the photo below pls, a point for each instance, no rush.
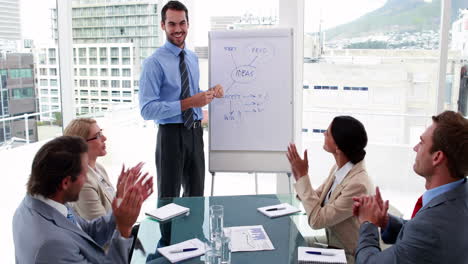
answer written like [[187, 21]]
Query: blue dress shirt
[[160, 85], [427, 197]]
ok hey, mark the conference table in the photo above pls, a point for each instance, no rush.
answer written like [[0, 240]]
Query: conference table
[[238, 211]]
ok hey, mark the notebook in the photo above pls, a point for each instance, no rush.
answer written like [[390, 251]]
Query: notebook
[[338, 256], [282, 209], [167, 252], [168, 211]]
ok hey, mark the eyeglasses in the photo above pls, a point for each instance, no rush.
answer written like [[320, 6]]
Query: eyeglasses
[[98, 136]]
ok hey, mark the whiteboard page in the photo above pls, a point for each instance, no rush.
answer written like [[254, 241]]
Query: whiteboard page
[[255, 68]]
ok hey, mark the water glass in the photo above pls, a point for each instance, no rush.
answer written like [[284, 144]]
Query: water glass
[[216, 221], [225, 251], [212, 255]]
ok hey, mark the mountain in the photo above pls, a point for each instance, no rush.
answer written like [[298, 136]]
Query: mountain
[[396, 16]]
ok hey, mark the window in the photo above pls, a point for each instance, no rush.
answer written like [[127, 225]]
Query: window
[[115, 72], [127, 94], [126, 84], [53, 71], [82, 52], [104, 93], [83, 92], [54, 92], [22, 93], [125, 52], [83, 83], [115, 84], [114, 52], [20, 73], [44, 92], [103, 72], [54, 100], [92, 52], [53, 82], [104, 83], [93, 72], [103, 52], [83, 72], [126, 72], [94, 93], [93, 83], [43, 71], [126, 61], [115, 94], [43, 82]]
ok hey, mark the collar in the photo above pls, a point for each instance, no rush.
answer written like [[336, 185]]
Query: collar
[[343, 171], [432, 193], [173, 48], [58, 206]]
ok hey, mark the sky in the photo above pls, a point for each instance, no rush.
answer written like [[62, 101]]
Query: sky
[[36, 21]]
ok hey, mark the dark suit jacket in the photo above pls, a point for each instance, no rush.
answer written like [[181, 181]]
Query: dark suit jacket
[[437, 234], [42, 235]]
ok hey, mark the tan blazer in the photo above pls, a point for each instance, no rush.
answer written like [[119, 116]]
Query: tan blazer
[[94, 200], [336, 216]]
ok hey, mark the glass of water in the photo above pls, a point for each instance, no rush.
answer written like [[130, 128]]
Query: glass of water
[[225, 250], [216, 221]]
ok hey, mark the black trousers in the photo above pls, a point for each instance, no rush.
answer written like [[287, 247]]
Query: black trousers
[[180, 160]]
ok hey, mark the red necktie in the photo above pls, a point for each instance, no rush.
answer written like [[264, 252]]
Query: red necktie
[[417, 206]]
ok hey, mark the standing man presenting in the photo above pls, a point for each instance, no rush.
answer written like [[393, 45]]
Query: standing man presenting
[[170, 95]]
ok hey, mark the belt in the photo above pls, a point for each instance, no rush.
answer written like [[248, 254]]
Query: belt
[[196, 124]]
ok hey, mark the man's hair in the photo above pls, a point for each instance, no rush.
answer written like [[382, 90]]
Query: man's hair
[[57, 159], [451, 137], [174, 5], [79, 127]]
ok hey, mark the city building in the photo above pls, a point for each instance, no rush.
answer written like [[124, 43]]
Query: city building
[[17, 97], [103, 77], [115, 21], [10, 21], [460, 33], [386, 87], [223, 22]]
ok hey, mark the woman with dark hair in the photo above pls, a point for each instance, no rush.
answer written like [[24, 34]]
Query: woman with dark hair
[[331, 205]]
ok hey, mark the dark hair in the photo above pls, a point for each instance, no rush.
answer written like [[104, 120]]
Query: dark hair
[[174, 5], [57, 159], [451, 137], [350, 136]]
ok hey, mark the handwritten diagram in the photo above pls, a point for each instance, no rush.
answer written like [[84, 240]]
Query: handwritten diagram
[[242, 97], [255, 68]]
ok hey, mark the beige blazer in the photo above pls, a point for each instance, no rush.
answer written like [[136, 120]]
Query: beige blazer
[[94, 200], [336, 216]]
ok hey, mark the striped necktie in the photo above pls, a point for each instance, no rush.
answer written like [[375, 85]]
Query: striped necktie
[[70, 216], [187, 115]]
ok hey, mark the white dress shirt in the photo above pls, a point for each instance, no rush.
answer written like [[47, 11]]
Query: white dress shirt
[[339, 176], [63, 210]]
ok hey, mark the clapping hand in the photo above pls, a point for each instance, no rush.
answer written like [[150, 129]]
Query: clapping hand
[[299, 167], [371, 208], [132, 177]]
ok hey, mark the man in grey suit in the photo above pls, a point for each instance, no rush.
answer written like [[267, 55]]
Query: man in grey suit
[[45, 229], [437, 232]]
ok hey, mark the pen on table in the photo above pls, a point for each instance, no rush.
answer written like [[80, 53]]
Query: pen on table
[[275, 209], [320, 253], [182, 250]]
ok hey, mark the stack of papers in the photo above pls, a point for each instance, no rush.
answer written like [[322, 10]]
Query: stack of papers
[[273, 211], [249, 238], [170, 252], [168, 211], [313, 255]]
